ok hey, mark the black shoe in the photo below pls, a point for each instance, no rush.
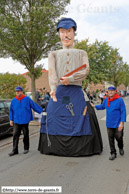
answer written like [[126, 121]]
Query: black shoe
[[112, 157], [12, 153], [25, 151], [121, 152]]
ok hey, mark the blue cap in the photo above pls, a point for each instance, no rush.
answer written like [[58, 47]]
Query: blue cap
[[111, 88], [66, 23], [18, 88]]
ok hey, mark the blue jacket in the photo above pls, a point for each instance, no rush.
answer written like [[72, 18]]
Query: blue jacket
[[21, 113], [115, 113]]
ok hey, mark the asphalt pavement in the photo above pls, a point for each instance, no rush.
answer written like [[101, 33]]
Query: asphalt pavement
[[77, 175]]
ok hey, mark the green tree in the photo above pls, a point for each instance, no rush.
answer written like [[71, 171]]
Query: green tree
[[28, 31], [104, 61], [99, 54], [124, 75], [115, 68], [8, 83]]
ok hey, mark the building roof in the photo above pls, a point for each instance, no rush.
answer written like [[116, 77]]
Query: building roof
[[43, 70]]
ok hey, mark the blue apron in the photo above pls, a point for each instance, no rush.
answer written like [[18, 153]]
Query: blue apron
[[59, 119]]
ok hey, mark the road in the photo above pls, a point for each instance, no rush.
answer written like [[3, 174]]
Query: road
[[77, 175]]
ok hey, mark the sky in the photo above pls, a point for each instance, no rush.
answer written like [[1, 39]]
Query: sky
[[96, 19]]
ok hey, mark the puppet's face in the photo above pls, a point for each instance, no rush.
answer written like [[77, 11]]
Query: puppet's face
[[67, 36]]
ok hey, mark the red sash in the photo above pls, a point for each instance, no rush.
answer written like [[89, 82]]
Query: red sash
[[19, 99], [116, 96]]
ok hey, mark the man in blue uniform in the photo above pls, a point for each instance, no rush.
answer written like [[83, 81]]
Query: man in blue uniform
[[115, 118], [20, 115]]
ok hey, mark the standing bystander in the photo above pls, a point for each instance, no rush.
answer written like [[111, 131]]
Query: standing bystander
[[115, 118], [20, 115]]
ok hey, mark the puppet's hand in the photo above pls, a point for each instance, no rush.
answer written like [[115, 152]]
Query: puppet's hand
[[53, 96], [64, 81]]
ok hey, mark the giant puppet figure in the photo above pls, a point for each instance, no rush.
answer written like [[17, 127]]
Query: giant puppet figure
[[69, 127]]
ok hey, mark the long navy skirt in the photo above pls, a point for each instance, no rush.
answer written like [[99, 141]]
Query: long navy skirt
[[68, 130]]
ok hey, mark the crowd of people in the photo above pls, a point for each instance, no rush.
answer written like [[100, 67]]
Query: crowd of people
[[42, 97], [101, 95]]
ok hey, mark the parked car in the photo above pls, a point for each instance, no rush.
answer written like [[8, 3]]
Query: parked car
[[122, 93], [5, 127], [29, 94]]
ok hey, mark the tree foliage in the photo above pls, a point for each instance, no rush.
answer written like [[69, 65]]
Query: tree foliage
[[105, 62], [115, 68], [124, 75], [8, 83], [28, 30]]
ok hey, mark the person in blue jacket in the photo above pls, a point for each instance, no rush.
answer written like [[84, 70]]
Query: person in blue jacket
[[20, 114], [115, 118]]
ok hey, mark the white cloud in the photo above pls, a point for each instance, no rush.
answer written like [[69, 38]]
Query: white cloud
[[92, 9], [103, 32], [110, 2], [96, 6], [11, 66], [99, 19]]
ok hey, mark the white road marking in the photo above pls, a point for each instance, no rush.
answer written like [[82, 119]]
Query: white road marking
[[127, 118]]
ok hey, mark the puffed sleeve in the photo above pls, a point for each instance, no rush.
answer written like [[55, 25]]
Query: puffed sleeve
[[81, 75], [52, 75]]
